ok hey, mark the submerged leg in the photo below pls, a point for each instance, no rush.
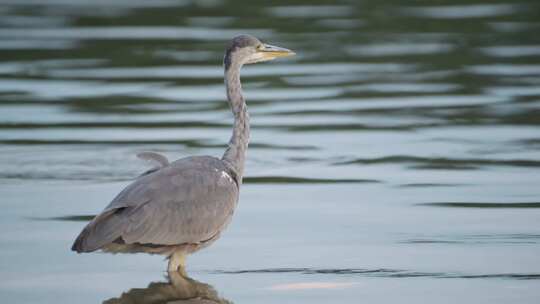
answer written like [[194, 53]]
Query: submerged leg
[[177, 262]]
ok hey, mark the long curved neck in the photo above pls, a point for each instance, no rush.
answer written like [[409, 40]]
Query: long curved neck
[[235, 154]]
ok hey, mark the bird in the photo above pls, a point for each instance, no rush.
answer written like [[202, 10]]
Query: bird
[[180, 207]]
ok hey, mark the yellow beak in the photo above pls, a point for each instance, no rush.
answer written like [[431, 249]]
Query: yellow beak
[[270, 51]]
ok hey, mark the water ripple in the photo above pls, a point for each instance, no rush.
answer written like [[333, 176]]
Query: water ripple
[[399, 49], [476, 239], [128, 33], [483, 205], [303, 180], [462, 11], [443, 162], [310, 11], [382, 272]]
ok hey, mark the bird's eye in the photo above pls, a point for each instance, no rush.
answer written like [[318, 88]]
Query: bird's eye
[[260, 47]]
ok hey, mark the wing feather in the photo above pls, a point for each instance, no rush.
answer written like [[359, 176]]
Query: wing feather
[[189, 201]]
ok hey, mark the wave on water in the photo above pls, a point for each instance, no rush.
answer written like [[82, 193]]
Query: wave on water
[[483, 205], [383, 272]]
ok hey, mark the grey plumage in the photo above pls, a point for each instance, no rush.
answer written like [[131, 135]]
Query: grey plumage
[[188, 201], [180, 207]]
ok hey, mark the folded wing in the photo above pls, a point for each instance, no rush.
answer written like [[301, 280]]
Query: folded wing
[[188, 201]]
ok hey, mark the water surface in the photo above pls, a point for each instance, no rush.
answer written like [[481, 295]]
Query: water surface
[[395, 158]]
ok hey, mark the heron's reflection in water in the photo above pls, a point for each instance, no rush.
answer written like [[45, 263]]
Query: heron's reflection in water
[[178, 289]]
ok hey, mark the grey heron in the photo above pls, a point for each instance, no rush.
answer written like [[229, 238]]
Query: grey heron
[[183, 206]]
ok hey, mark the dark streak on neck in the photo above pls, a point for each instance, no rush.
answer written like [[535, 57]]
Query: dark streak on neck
[[227, 59]]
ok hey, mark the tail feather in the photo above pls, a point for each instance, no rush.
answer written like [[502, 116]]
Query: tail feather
[[78, 245], [102, 230]]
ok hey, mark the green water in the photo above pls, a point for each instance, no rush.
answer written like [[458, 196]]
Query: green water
[[394, 159]]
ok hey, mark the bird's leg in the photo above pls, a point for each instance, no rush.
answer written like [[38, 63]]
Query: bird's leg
[[177, 262]]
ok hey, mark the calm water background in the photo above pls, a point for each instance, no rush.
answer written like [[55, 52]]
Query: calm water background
[[395, 158]]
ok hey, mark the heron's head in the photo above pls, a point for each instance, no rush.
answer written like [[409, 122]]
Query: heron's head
[[245, 49]]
